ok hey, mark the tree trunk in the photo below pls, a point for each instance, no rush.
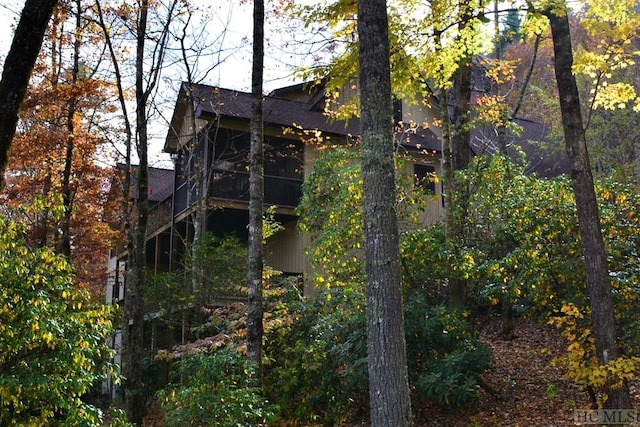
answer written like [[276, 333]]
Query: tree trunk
[[134, 297], [460, 151], [198, 182], [461, 94], [136, 215], [200, 178], [456, 290], [598, 281], [64, 238], [256, 194], [388, 384], [17, 70]]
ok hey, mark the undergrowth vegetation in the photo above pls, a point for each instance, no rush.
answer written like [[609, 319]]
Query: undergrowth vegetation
[[315, 363], [520, 250], [215, 388]]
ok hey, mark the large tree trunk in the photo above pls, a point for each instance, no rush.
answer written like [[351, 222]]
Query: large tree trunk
[[598, 281], [17, 70], [461, 95], [388, 383], [256, 192]]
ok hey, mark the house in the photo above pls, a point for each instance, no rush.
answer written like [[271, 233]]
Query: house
[[209, 143]]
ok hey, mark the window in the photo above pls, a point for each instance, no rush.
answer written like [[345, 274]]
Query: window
[[283, 158], [397, 112], [424, 176]]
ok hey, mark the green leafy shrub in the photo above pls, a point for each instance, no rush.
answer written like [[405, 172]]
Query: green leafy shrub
[[331, 212], [52, 338], [318, 365], [528, 250], [525, 243], [453, 379], [214, 389], [445, 358], [316, 361], [317, 369], [619, 208], [217, 266], [429, 277]]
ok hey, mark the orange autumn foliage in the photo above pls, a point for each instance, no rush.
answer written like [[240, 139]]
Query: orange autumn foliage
[[64, 115]]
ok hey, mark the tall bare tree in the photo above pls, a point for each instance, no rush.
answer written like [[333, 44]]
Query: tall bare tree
[[16, 72], [133, 331], [595, 256], [256, 193], [64, 238], [388, 383], [147, 71]]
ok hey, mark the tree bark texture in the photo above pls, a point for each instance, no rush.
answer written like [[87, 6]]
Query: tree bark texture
[[461, 94], [18, 65], [256, 194], [598, 280], [388, 383]]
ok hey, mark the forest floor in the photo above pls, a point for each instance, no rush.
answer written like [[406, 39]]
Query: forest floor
[[533, 391]]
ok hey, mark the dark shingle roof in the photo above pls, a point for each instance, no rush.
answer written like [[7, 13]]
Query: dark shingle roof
[[292, 106], [287, 112], [544, 158], [160, 184], [277, 111]]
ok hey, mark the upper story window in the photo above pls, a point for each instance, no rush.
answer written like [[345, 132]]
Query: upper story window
[[229, 150], [283, 157], [425, 177]]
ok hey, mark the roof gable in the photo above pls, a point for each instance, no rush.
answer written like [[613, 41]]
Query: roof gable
[[282, 108], [277, 111], [297, 107]]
